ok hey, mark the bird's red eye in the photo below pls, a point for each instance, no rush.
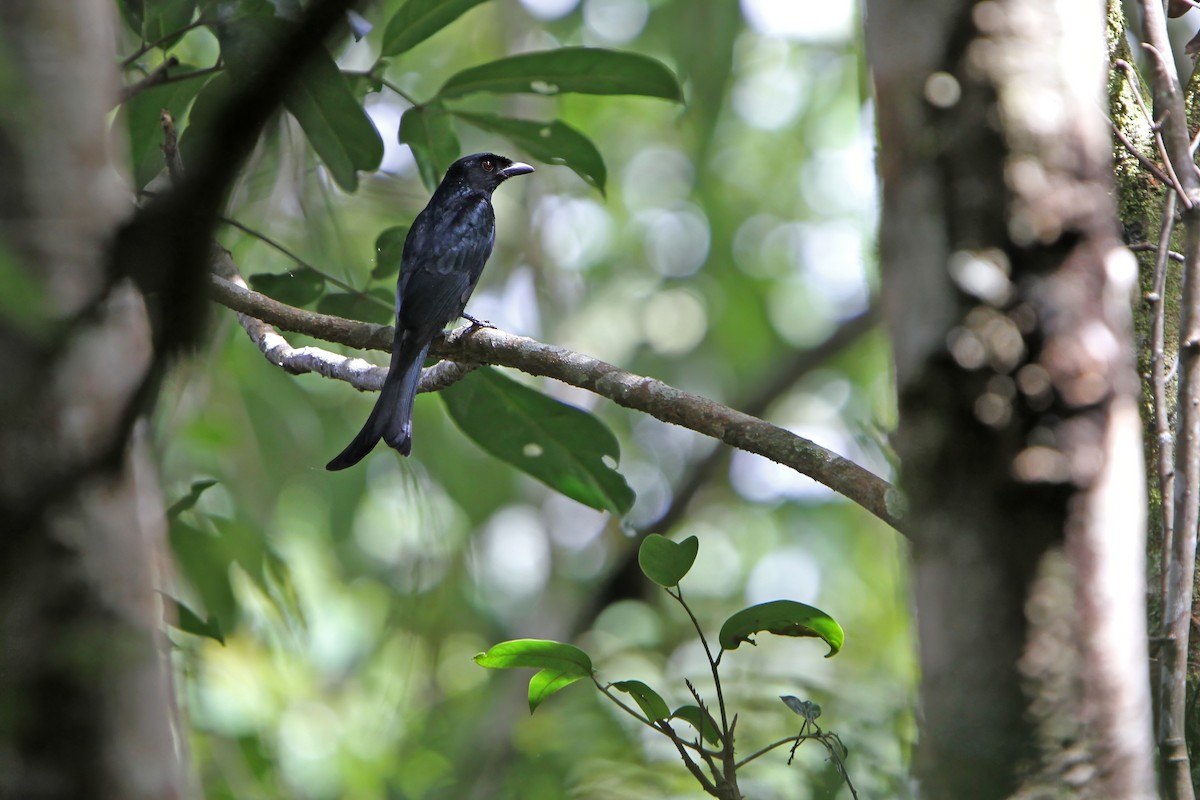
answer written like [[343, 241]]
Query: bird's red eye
[[487, 164]]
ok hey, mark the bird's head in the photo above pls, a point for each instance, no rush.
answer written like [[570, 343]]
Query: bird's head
[[484, 171]]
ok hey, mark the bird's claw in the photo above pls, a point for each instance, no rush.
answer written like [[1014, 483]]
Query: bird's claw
[[477, 323]]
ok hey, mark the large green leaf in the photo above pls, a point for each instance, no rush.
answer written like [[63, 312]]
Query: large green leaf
[[376, 305], [296, 288], [204, 560], [189, 621], [652, 705], [782, 618], [666, 562], [560, 445], [553, 142], [429, 131], [587, 70], [417, 20], [208, 103], [142, 115], [334, 121]]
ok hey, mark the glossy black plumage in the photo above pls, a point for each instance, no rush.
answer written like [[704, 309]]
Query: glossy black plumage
[[444, 255]]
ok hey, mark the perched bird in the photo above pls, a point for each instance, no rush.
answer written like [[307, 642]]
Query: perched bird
[[444, 254]]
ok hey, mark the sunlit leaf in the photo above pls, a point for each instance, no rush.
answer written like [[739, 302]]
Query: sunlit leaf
[[389, 248], [417, 20], [666, 562], [782, 618], [429, 131], [560, 445], [586, 70], [701, 720], [546, 683], [553, 142], [296, 288], [542, 654], [652, 705]]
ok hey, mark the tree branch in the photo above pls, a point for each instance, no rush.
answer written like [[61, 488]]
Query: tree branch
[[490, 346]]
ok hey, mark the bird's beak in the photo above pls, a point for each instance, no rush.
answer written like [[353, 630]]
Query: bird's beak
[[515, 168]]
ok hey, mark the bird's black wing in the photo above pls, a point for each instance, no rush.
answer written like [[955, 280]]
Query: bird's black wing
[[442, 262]]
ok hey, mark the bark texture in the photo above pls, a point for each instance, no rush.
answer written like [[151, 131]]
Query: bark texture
[[84, 679], [1007, 296]]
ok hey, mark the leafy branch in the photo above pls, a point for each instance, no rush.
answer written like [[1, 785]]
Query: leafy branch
[[666, 563], [475, 345]]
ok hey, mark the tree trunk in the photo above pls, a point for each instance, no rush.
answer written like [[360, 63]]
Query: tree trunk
[[84, 680], [1007, 293]]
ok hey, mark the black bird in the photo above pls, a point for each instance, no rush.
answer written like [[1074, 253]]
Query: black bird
[[444, 254]]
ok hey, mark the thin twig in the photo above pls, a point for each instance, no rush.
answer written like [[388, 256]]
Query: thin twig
[[272, 243], [1142, 158]]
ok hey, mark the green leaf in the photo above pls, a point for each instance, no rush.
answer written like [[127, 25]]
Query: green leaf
[[546, 683], [208, 103], [666, 562], [204, 562], [782, 618], [701, 720], [552, 142], [652, 705], [132, 12], [335, 122], [389, 250], [163, 17], [428, 131], [541, 654], [190, 499], [560, 445], [189, 621], [417, 20], [375, 305], [141, 115], [297, 288], [586, 70]]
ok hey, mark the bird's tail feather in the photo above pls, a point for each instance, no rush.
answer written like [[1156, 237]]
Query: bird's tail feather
[[391, 418]]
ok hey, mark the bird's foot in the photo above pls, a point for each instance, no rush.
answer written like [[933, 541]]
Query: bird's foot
[[477, 323]]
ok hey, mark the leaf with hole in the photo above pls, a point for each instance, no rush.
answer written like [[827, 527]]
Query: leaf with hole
[[666, 562], [562, 446], [417, 20], [648, 700], [782, 618], [585, 70], [701, 720], [552, 142]]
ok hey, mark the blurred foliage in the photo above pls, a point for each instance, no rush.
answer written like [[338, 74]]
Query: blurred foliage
[[733, 229]]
